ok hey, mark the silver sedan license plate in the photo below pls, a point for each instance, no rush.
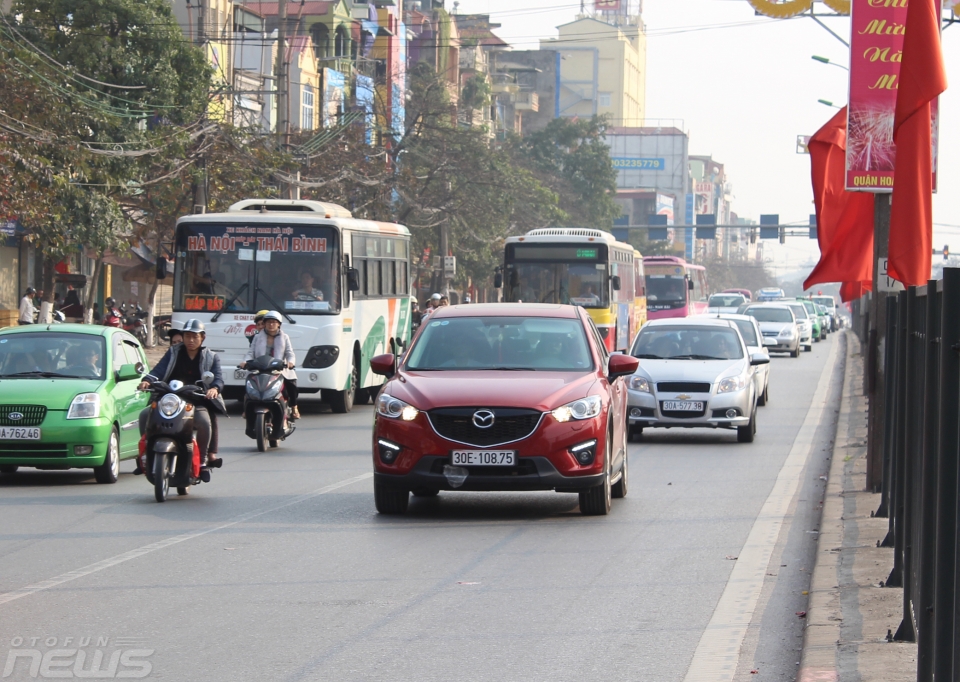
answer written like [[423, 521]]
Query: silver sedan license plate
[[19, 433], [487, 458], [682, 406]]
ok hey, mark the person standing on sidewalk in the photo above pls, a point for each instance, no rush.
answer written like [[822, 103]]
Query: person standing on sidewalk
[[27, 310]]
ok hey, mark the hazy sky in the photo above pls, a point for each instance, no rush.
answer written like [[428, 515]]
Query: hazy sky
[[745, 87]]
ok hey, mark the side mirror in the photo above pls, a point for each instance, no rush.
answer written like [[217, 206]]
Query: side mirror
[[615, 281], [383, 364], [498, 280], [690, 284], [207, 378], [353, 279], [161, 267], [759, 359], [621, 365], [127, 373]]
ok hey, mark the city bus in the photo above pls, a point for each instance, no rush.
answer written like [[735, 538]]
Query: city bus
[[675, 288], [341, 284], [579, 266]]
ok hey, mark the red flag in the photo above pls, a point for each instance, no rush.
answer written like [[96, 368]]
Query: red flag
[[922, 79], [844, 219]]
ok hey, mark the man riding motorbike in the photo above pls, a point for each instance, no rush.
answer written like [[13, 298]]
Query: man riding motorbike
[[274, 342], [187, 362]]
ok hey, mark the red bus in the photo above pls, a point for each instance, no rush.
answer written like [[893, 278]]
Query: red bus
[[675, 288]]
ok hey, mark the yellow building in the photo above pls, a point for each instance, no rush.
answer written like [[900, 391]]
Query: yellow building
[[603, 69]]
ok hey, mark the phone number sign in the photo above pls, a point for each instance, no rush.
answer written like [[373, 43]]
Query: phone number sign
[[626, 163]]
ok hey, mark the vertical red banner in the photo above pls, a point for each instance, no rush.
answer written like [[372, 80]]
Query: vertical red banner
[[876, 46]]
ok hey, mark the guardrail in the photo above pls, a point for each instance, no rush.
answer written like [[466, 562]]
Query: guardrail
[[921, 449]]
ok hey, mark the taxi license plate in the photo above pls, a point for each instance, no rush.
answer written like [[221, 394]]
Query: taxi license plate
[[682, 406], [240, 374], [487, 458], [19, 433]]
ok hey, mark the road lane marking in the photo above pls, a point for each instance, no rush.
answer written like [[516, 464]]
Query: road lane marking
[[718, 653], [163, 544]]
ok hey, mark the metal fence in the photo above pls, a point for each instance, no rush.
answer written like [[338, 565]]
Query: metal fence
[[920, 468]]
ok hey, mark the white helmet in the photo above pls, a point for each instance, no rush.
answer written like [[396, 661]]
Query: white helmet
[[273, 315]]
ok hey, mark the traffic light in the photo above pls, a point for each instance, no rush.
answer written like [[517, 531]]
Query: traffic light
[[946, 251]]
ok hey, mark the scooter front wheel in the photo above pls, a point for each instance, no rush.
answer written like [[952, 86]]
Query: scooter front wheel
[[161, 477], [260, 429]]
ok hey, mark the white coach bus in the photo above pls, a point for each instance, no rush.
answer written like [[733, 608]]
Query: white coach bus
[[342, 285]]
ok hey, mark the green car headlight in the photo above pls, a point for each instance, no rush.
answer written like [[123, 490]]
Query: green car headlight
[[85, 406]]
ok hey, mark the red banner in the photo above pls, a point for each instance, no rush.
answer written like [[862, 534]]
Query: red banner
[[876, 46]]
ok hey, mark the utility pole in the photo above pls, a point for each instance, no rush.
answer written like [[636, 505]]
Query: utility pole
[[280, 73], [876, 342]]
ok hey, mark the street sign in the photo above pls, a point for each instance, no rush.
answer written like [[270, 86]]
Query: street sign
[[885, 282]]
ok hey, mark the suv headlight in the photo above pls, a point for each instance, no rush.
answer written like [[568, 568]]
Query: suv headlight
[[85, 406], [169, 405], [638, 383], [585, 408], [388, 406], [731, 384]]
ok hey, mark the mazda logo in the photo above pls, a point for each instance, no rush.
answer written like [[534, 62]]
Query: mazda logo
[[15, 416], [483, 419]]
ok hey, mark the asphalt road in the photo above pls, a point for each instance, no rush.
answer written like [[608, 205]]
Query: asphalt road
[[282, 570]]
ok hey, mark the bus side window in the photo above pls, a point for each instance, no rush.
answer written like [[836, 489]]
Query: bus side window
[[702, 276]]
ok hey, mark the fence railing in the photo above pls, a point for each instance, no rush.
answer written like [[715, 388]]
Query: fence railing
[[920, 468]]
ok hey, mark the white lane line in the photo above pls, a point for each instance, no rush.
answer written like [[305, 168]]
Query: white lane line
[[718, 653], [162, 544]]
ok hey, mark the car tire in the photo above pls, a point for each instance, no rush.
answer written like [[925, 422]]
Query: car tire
[[596, 501], [619, 489], [762, 398], [795, 353], [636, 434], [363, 396], [747, 434], [9, 469], [109, 471], [426, 492], [390, 499], [343, 401], [808, 347]]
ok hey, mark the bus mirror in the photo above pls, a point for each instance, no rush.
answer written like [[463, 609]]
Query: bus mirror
[[498, 280], [615, 281], [161, 267], [690, 284], [353, 279]]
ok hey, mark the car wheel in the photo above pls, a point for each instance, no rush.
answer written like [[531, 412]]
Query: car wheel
[[795, 353], [619, 489], [342, 401], [109, 471], [426, 492], [363, 396], [762, 398], [746, 434], [596, 501], [636, 434], [390, 499], [9, 469]]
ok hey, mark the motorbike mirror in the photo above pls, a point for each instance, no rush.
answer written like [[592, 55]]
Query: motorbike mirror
[[207, 378]]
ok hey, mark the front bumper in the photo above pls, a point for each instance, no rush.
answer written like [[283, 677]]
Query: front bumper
[[59, 438], [643, 410]]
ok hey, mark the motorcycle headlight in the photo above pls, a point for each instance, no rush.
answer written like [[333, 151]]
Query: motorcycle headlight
[[85, 406], [585, 408], [731, 384], [169, 405], [388, 406], [638, 383]]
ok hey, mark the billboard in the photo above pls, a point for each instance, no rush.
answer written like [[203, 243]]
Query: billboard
[[876, 45], [606, 5], [334, 86]]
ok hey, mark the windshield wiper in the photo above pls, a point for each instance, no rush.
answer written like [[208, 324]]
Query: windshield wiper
[[650, 356], [275, 306], [505, 369], [43, 375], [230, 302], [694, 357]]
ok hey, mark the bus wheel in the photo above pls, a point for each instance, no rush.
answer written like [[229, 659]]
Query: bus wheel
[[341, 402]]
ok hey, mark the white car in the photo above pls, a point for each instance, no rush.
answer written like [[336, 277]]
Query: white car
[[749, 329], [779, 327], [724, 303]]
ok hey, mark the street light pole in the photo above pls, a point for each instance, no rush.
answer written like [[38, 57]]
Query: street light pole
[[826, 60]]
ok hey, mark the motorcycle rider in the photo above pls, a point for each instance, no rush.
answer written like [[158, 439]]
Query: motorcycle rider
[[187, 362], [258, 322], [274, 342]]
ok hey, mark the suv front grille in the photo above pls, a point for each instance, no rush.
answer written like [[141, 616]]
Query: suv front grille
[[683, 387], [32, 415], [509, 424]]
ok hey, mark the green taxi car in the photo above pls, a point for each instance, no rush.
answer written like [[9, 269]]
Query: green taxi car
[[815, 317], [68, 398]]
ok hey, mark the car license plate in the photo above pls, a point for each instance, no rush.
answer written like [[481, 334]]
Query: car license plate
[[240, 374], [19, 433], [487, 458], [682, 406]]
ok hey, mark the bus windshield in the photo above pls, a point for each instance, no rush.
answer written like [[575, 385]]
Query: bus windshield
[[245, 268], [666, 287], [557, 273]]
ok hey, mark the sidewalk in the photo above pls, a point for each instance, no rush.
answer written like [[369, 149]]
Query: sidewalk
[[849, 613]]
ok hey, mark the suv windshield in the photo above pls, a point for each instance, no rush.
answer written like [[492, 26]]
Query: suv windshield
[[771, 314], [676, 342], [826, 301], [507, 343], [747, 331], [47, 354]]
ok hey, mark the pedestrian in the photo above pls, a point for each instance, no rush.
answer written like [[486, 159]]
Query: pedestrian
[[444, 301], [27, 310], [466, 298]]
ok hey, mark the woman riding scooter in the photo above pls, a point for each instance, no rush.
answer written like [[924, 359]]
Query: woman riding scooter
[[274, 342]]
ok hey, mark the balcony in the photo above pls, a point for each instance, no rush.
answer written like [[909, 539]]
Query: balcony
[[527, 101], [512, 88]]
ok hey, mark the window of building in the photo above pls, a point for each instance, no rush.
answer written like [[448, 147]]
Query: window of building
[[307, 123], [604, 99]]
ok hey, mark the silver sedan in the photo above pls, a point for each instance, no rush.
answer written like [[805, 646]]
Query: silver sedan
[[694, 372]]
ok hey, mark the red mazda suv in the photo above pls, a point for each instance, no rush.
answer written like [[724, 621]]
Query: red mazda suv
[[502, 396]]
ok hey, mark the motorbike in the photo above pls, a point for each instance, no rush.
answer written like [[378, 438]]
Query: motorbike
[[170, 454], [265, 407], [112, 318], [133, 321]]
